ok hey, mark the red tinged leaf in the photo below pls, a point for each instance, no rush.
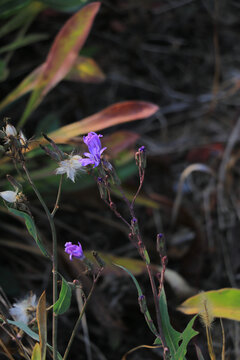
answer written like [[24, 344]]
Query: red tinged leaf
[[119, 141], [62, 54], [113, 115], [66, 46], [84, 69]]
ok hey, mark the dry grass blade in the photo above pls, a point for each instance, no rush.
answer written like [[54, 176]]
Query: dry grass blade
[[42, 324], [189, 170]]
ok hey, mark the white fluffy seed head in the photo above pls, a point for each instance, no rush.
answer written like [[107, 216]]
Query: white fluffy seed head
[[70, 166], [22, 310]]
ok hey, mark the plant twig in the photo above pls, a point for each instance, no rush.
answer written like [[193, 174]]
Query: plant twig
[[56, 206], [81, 315], [54, 259]]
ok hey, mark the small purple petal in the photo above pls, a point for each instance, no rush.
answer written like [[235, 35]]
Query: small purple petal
[[87, 154], [92, 140], [74, 251], [85, 162], [102, 150]]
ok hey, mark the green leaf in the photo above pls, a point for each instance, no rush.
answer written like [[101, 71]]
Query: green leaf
[[3, 70], [172, 336], [30, 227], [64, 300], [30, 333], [36, 354], [26, 40], [20, 18], [25, 328], [223, 303], [186, 336], [63, 5], [10, 7], [143, 306]]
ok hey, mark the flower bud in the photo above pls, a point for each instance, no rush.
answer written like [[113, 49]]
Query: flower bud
[[22, 139], [9, 196], [2, 134], [55, 147], [15, 184], [98, 259], [10, 130], [161, 247], [111, 171], [102, 188], [50, 153], [141, 158], [134, 226]]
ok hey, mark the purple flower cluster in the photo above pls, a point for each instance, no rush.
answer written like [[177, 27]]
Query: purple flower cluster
[[92, 140], [74, 250]]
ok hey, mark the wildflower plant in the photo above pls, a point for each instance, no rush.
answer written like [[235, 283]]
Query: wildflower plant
[[16, 201], [59, 62]]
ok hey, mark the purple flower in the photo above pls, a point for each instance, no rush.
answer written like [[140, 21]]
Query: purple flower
[[74, 250], [142, 148], [92, 140]]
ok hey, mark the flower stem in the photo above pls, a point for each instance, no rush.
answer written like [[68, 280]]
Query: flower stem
[[54, 258], [81, 315], [56, 206]]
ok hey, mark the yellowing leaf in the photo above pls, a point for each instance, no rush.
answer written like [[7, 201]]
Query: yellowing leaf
[[36, 355], [224, 303], [42, 324], [86, 70]]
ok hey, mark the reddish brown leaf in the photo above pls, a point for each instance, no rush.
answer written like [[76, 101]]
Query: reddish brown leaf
[[113, 115]]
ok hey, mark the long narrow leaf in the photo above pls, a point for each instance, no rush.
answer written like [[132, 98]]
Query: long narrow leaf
[[30, 227], [112, 115], [42, 324], [84, 69], [19, 43], [143, 306], [30, 333], [36, 354], [172, 336], [62, 55]]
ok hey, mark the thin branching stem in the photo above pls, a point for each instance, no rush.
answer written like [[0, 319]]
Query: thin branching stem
[[54, 258], [56, 206], [142, 252], [81, 315], [141, 177]]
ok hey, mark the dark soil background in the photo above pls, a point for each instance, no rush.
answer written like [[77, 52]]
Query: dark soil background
[[183, 56]]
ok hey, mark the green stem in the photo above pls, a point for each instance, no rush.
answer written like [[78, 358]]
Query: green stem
[[80, 316], [54, 259], [56, 206]]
